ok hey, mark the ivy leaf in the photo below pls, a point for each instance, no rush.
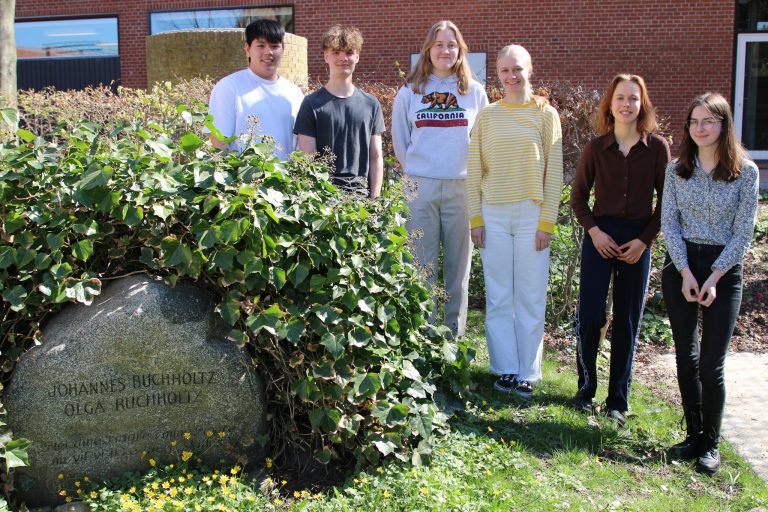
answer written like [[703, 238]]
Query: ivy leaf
[[82, 250], [299, 273], [190, 142], [324, 419], [162, 210], [385, 447], [15, 453], [25, 135], [10, 117], [277, 277], [366, 384], [95, 177], [15, 297], [7, 257], [333, 344], [408, 370]]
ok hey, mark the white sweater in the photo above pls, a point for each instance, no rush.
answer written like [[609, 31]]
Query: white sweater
[[430, 131]]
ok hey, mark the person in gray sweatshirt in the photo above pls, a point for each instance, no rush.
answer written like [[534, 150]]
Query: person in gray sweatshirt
[[432, 117]]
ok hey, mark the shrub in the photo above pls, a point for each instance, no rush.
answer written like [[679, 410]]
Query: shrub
[[318, 284]]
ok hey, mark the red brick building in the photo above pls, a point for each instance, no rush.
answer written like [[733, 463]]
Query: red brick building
[[680, 48]]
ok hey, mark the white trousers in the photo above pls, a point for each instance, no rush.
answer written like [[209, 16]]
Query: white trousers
[[516, 277], [439, 216]]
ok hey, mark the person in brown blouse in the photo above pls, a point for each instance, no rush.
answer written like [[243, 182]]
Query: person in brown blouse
[[624, 165]]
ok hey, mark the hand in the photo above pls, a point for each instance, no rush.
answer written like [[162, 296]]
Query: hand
[[603, 242], [690, 286], [631, 251], [708, 292], [542, 239], [478, 237]]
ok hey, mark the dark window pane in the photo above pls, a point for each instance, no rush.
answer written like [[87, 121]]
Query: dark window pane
[[91, 37], [752, 16], [218, 18]]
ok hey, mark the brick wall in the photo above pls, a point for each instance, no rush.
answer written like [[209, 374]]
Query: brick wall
[[220, 52], [680, 48]]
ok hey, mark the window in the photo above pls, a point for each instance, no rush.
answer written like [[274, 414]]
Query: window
[[752, 16], [477, 63], [87, 37], [165, 21]]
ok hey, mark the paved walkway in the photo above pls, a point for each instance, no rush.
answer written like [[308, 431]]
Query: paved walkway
[[745, 423]]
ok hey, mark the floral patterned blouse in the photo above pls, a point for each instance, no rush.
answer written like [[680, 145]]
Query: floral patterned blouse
[[706, 211]]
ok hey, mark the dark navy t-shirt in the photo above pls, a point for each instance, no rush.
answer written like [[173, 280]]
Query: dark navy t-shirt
[[345, 125]]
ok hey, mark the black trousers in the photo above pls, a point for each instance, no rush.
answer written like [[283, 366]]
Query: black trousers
[[700, 356], [630, 282]]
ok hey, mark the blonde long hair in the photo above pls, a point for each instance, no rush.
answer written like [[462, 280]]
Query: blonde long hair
[[419, 75]]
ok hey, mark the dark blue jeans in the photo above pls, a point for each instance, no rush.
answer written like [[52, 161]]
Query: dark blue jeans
[[630, 283], [701, 358]]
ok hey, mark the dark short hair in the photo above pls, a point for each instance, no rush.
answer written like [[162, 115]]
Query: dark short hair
[[270, 30]]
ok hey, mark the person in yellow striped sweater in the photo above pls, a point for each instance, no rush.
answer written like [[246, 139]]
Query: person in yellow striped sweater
[[514, 176]]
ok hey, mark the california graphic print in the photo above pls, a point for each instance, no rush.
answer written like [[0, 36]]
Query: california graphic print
[[443, 111]]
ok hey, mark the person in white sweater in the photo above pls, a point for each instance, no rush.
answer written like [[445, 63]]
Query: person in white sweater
[[432, 117]]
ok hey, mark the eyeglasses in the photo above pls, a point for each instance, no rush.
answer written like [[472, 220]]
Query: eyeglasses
[[705, 123]]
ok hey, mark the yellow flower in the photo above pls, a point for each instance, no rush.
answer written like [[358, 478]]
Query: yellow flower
[[85, 478], [283, 482], [496, 492], [198, 508], [173, 492], [60, 476], [185, 456], [278, 502], [424, 491], [222, 434], [77, 484], [251, 498], [208, 433], [223, 479], [296, 494], [166, 485], [235, 470], [182, 479], [490, 429], [68, 499], [188, 490], [62, 492], [132, 490], [187, 436], [93, 494], [379, 470], [268, 462], [155, 485], [387, 494], [173, 443], [152, 462]]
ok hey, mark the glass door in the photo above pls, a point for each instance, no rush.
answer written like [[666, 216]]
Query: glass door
[[751, 94]]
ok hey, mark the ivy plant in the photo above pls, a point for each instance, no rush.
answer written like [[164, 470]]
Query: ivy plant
[[318, 285]]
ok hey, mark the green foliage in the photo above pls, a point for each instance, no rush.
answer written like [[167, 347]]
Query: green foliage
[[319, 285], [12, 451]]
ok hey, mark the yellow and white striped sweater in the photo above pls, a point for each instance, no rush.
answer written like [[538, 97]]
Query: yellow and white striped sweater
[[516, 153]]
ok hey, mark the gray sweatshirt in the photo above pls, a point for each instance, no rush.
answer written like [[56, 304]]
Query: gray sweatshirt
[[430, 131]]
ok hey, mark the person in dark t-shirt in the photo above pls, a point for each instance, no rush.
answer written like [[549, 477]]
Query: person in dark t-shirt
[[344, 119]]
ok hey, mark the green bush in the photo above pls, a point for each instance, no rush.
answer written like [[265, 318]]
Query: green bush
[[318, 284]]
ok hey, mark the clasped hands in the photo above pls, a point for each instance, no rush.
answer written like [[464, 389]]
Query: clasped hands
[[606, 247]]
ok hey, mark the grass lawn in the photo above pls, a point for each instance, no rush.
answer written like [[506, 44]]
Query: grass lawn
[[504, 454]]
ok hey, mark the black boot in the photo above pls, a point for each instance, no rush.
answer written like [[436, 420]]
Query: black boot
[[690, 448], [709, 460]]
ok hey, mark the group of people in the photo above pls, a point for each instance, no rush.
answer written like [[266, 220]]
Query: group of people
[[491, 175]]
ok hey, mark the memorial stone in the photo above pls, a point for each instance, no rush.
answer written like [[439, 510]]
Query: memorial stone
[[144, 366]]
